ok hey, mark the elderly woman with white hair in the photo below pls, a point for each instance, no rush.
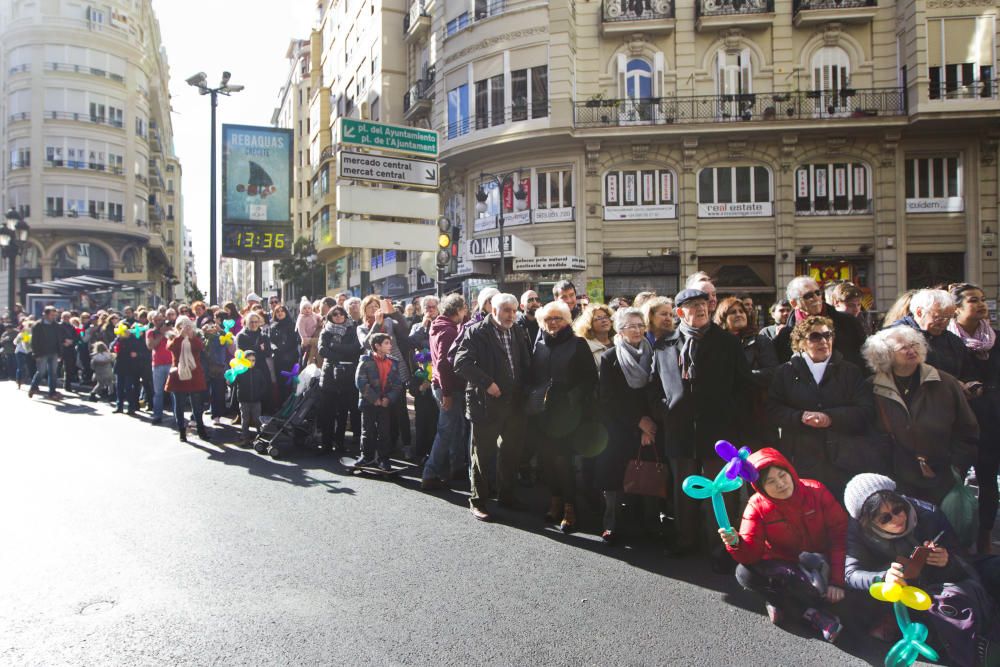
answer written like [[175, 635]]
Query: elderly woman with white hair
[[924, 411], [806, 299], [187, 376], [626, 369], [562, 385]]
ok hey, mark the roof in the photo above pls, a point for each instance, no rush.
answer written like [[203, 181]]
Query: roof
[[77, 283]]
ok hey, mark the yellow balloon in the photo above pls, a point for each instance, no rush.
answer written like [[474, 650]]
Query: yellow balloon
[[886, 592], [915, 598], [911, 596]]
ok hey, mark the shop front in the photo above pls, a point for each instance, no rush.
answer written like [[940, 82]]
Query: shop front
[[627, 276], [824, 270]]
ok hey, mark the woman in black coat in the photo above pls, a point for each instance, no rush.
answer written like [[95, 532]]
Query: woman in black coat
[[562, 360], [339, 348], [822, 404], [285, 347], [625, 371]]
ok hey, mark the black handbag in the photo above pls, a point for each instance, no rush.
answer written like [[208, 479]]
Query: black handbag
[[538, 399]]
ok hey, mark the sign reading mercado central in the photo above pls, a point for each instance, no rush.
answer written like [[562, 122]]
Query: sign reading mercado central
[[256, 192]]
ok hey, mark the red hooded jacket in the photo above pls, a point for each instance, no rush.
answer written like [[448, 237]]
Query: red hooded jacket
[[811, 520]]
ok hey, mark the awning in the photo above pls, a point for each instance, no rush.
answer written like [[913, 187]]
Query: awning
[[77, 283]]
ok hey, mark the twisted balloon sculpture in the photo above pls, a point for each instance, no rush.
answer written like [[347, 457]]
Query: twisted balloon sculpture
[[121, 330], [292, 376], [913, 645], [238, 365], [227, 337], [424, 371], [138, 330], [730, 478]]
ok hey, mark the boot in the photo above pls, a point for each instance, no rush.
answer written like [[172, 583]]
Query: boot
[[568, 524], [203, 433], [182, 432], [554, 515], [984, 542]]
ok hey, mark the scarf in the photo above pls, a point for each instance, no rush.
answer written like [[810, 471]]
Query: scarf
[[186, 364], [911, 525], [817, 368], [636, 363], [338, 331], [981, 342], [689, 350]]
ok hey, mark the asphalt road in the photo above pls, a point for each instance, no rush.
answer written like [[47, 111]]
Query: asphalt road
[[123, 546]]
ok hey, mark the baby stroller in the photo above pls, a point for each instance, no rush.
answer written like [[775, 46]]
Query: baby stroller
[[294, 425]]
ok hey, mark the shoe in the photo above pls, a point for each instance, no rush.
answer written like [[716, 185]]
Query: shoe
[[433, 484], [555, 513], [203, 433], [568, 523], [31, 391], [825, 623], [118, 411], [182, 434], [385, 466], [479, 514], [131, 413], [55, 396], [774, 614], [362, 462], [608, 536], [156, 421]]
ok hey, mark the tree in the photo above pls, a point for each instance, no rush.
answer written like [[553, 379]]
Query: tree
[[195, 294], [302, 270]]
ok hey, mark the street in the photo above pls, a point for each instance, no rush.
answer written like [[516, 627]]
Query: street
[[123, 546]]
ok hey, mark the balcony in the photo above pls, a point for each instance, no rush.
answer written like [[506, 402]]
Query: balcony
[[417, 100], [972, 91], [326, 154], [722, 14], [389, 263], [88, 166], [498, 118], [844, 105], [485, 9], [84, 117], [19, 116], [18, 69], [624, 17], [154, 141], [417, 23], [814, 12], [83, 215], [20, 164], [83, 69]]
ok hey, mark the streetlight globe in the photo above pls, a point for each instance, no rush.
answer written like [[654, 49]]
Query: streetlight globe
[[6, 236], [481, 207]]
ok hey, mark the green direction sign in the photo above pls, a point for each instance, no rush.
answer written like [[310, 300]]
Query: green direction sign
[[381, 136]]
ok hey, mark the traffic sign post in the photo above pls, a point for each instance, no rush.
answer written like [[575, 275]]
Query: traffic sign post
[[387, 169], [381, 136]]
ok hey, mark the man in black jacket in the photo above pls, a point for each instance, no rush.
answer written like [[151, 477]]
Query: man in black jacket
[[526, 316], [46, 344], [700, 394], [806, 298], [493, 358], [930, 312]]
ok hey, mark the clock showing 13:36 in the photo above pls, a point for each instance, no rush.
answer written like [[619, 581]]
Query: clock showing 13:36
[[253, 240]]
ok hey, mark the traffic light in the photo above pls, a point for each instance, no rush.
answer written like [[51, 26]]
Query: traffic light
[[445, 242]]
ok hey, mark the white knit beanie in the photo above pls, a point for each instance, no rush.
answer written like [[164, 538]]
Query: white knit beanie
[[485, 296], [861, 488]]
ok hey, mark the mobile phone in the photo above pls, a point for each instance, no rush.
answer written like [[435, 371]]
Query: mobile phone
[[914, 565]]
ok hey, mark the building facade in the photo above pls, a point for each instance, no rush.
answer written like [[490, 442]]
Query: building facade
[[630, 144], [88, 144]]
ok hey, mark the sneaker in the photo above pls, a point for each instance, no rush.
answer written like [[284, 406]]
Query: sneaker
[[385, 466], [825, 623], [362, 462], [31, 391], [216, 420], [776, 615], [608, 536]]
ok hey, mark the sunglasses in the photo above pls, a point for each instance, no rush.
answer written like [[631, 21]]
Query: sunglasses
[[885, 518], [820, 336], [812, 295]]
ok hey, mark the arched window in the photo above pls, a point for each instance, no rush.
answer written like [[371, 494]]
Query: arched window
[[831, 73], [31, 258], [638, 79], [839, 188], [82, 257], [132, 260]]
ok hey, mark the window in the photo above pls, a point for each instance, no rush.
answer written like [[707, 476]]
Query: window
[[734, 192], [54, 207], [934, 185], [20, 158], [960, 57], [458, 111], [460, 22], [554, 189], [489, 102], [734, 82], [116, 212], [638, 80], [833, 189], [131, 260], [54, 156], [640, 194], [831, 68]]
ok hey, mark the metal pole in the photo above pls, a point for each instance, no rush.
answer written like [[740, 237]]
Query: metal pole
[[258, 277], [500, 280], [213, 263], [15, 250], [440, 283]]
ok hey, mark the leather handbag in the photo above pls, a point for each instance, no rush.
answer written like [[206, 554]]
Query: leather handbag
[[538, 398], [647, 478]]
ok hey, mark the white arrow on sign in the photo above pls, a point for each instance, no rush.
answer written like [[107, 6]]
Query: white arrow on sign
[[349, 132]]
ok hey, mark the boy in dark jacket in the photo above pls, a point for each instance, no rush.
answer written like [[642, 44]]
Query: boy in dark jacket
[[379, 386], [254, 385]]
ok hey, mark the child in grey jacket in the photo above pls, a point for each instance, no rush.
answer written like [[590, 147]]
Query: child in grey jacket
[[102, 363]]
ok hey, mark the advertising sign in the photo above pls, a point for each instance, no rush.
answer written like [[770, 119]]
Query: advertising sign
[[256, 192], [938, 205], [489, 247], [550, 263], [736, 210]]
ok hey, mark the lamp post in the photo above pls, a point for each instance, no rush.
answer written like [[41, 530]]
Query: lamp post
[[13, 237], [311, 259], [520, 204], [200, 81]]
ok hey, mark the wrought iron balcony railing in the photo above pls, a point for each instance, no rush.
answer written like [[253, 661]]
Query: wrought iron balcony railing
[[706, 8], [803, 5], [953, 90], [742, 108], [637, 10], [420, 91], [497, 117]]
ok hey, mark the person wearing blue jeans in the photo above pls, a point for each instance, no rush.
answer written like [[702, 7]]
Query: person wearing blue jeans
[[46, 342], [448, 451], [160, 375], [47, 364]]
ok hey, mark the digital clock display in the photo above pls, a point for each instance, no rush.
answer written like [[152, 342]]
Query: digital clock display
[[253, 241]]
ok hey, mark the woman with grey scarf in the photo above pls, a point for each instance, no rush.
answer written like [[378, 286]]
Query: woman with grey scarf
[[625, 371], [339, 348]]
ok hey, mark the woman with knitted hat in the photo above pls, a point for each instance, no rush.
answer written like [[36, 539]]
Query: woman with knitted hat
[[897, 539], [791, 544]]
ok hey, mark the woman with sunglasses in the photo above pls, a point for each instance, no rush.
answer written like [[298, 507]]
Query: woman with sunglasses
[[923, 410], [898, 539], [972, 325], [818, 399]]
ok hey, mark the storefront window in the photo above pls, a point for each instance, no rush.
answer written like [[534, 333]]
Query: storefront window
[[735, 192], [640, 194], [934, 185], [833, 189]]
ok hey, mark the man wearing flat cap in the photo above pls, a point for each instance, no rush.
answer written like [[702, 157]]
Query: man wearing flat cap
[[702, 395]]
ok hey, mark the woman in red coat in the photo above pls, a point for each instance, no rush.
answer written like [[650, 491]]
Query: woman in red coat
[[791, 545], [187, 377]]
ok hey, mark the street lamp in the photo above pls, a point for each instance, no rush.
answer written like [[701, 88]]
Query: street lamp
[[520, 204], [200, 81], [311, 258], [13, 237]]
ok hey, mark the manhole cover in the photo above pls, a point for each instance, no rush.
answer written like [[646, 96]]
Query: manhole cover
[[97, 607]]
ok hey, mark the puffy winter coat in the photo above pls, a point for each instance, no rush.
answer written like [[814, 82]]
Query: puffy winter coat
[[254, 384], [850, 336], [811, 520], [340, 358], [370, 385]]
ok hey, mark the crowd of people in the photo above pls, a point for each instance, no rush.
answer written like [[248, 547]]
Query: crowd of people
[[866, 438]]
